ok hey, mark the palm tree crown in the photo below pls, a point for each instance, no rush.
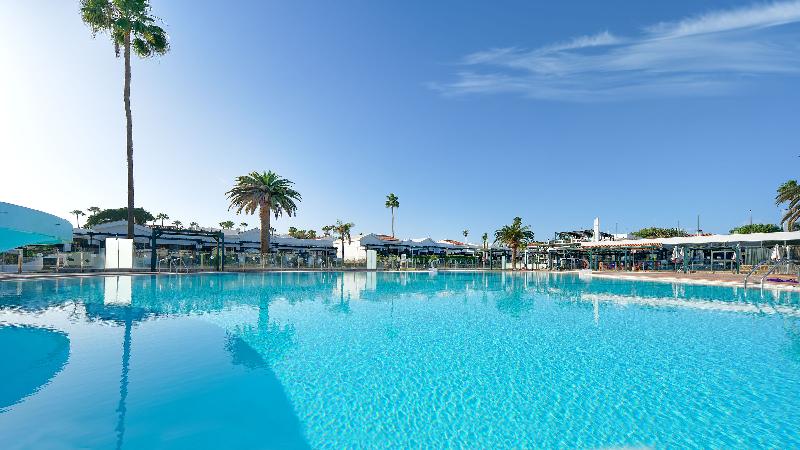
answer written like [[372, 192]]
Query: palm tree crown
[[392, 202], [789, 192], [514, 236], [265, 192]]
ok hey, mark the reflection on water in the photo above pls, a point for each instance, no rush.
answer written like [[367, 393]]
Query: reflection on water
[[30, 358], [312, 359]]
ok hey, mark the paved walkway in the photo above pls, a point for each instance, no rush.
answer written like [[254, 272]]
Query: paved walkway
[[715, 278]]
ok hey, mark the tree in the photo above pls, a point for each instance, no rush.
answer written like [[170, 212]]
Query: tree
[[789, 193], [77, 213], [514, 236], [93, 210], [656, 232], [162, 217], [194, 225], [341, 231], [302, 234], [392, 202], [227, 225], [485, 239], [756, 228], [243, 225], [267, 192], [465, 233], [178, 223], [130, 24], [326, 230], [140, 216]]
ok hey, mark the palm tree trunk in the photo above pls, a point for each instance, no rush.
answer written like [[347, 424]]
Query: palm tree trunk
[[342, 250], [513, 258], [129, 130], [263, 212], [392, 221]]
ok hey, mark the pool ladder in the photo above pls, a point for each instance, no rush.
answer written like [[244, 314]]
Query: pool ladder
[[174, 264], [775, 265]]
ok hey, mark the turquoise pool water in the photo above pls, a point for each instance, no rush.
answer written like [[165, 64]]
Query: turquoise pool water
[[395, 360]]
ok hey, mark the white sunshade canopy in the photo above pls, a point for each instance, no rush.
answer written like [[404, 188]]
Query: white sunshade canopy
[[779, 237]]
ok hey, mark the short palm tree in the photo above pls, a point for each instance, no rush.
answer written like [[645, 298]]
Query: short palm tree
[[514, 236], [341, 231], [77, 213], [243, 225], [392, 202], [194, 225], [789, 192], [267, 192], [93, 209], [226, 225], [178, 224], [162, 217], [131, 25]]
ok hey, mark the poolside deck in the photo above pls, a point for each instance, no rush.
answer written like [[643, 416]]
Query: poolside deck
[[711, 278]]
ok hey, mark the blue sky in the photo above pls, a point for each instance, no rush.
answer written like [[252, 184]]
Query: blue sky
[[642, 113]]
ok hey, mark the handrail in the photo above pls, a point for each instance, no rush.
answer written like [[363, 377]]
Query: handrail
[[756, 267], [772, 269]]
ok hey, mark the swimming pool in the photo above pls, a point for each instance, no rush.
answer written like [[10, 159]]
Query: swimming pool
[[395, 360]]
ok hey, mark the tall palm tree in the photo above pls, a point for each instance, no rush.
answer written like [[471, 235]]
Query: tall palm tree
[[93, 209], [266, 192], [162, 217], [77, 213], [226, 225], [485, 238], [514, 236], [341, 231], [178, 223], [194, 225], [130, 24], [392, 202], [789, 192], [465, 233], [243, 225]]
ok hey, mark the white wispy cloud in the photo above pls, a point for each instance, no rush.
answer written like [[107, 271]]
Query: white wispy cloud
[[707, 54]]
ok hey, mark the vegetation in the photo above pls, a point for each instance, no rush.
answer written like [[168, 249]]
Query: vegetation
[[756, 228], [140, 216], [465, 233], [302, 234], [178, 224], [514, 236], [130, 25], [392, 202], [485, 239], [267, 192], [326, 230], [341, 231], [243, 225], [162, 217], [78, 213], [93, 210], [227, 225], [655, 232], [194, 225], [789, 193]]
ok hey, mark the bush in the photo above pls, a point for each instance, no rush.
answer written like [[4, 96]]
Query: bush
[[655, 232], [756, 228]]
